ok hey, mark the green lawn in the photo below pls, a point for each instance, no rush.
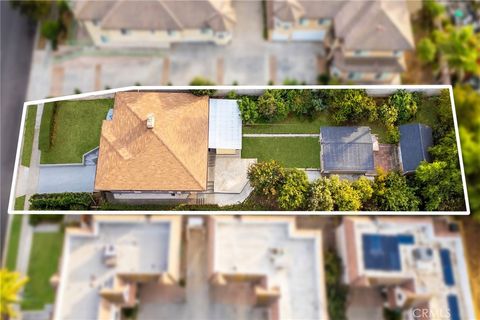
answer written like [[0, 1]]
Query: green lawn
[[28, 135], [14, 236], [291, 152], [75, 130], [290, 125], [44, 257]]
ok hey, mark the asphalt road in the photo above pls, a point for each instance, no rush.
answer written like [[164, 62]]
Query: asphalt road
[[17, 37]]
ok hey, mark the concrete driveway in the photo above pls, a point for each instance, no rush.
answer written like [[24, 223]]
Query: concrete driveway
[[247, 60], [73, 178]]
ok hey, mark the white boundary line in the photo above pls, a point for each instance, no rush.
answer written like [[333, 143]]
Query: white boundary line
[[226, 88]]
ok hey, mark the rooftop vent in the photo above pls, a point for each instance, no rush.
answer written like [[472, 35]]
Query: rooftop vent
[[150, 121]]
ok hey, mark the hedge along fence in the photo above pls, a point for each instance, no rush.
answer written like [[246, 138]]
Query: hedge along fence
[[47, 126], [61, 201]]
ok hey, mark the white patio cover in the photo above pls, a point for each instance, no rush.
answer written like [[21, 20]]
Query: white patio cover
[[225, 125]]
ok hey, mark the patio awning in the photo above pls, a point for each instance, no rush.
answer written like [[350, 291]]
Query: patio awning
[[224, 125]]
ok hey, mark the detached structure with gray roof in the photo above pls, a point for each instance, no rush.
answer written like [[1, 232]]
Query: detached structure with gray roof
[[155, 23], [346, 150], [415, 140]]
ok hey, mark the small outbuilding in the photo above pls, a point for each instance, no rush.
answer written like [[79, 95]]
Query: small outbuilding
[[224, 126], [415, 140], [347, 150]]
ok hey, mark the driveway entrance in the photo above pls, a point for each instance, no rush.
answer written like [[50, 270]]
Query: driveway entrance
[[66, 178]]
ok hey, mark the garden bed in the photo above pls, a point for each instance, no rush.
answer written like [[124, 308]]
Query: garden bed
[[71, 128], [296, 152]]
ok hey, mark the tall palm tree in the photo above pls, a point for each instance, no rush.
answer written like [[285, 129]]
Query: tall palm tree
[[11, 283]]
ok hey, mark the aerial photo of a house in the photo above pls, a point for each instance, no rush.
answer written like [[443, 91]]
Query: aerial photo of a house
[[208, 149]]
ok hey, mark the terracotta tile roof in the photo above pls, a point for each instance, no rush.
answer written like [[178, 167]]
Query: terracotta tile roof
[[170, 157]]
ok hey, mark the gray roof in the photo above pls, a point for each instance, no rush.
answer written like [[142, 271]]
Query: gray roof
[[346, 149], [415, 140]]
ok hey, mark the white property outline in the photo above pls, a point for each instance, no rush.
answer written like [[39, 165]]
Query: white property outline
[[11, 204]]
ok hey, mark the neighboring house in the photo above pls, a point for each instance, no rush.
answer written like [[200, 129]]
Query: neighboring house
[[104, 268], [269, 263], [347, 150], [155, 23], [419, 264], [415, 140], [366, 39], [156, 145]]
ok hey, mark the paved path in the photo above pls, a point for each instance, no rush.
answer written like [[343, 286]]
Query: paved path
[[281, 135], [34, 169]]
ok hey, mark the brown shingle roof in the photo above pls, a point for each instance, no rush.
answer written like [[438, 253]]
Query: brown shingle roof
[[158, 14], [170, 157]]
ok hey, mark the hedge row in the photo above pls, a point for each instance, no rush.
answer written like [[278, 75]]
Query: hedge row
[[47, 126], [61, 201]]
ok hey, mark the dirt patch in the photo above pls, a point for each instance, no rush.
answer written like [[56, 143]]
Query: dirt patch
[[387, 157]]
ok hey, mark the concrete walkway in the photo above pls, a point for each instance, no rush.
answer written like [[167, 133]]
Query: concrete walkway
[[34, 170], [281, 135]]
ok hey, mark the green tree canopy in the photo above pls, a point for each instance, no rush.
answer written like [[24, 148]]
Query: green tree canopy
[[248, 110], [266, 177], [392, 193], [351, 105], [427, 50], [293, 189], [271, 106], [345, 197], [34, 9], [319, 196]]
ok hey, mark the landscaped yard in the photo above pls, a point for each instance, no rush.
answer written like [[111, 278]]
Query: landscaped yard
[[44, 257], [297, 152], [290, 125], [71, 129], [14, 235], [28, 135]]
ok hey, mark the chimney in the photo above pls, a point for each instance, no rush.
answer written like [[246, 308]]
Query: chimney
[[150, 121]]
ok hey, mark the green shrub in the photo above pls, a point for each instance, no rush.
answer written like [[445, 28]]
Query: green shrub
[[319, 196], [61, 201], [392, 193], [336, 291], [248, 110], [271, 106], [352, 105], [199, 81], [51, 29], [406, 104], [293, 190], [47, 133], [426, 50]]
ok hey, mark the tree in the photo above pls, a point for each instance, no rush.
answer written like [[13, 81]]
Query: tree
[[467, 103], [34, 9], [248, 110], [426, 50], [444, 123], [440, 182], [271, 106], [319, 196], [405, 103], [433, 8], [461, 48], [266, 177], [352, 105], [392, 193], [293, 189], [345, 198], [364, 187], [11, 284]]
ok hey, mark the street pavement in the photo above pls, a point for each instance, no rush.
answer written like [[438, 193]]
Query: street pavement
[[17, 37]]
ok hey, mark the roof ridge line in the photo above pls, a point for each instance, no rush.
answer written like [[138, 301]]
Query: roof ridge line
[[174, 18], [178, 159]]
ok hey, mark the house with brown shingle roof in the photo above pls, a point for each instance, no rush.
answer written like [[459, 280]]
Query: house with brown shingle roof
[[366, 40], [155, 23], [154, 147]]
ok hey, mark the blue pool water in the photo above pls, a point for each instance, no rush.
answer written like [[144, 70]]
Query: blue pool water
[[453, 307], [447, 267]]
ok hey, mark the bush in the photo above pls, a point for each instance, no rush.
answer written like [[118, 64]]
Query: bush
[[406, 104], [293, 189], [266, 177], [199, 81], [248, 110], [61, 201], [345, 198], [319, 196], [36, 219], [392, 193], [352, 105], [426, 50], [47, 126], [271, 106]]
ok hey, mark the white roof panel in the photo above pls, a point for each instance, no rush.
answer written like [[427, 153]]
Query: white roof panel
[[224, 124]]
